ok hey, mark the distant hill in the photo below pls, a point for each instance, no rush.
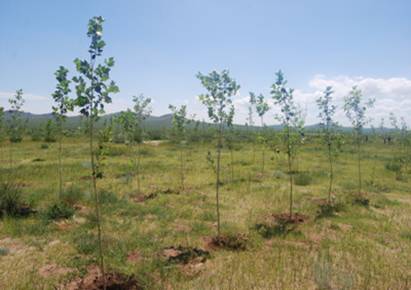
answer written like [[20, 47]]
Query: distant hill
[[152, 122], [36, 120]]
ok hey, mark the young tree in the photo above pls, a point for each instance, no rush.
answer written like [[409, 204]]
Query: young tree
[[405, 142], [94, 89], [142, 110], [180, 123], [328, 126], [1, 133], [262, 108], [49, 131], [16, 124], [63, 105], [292, 122], [250, 129], [220, 89], [356, 110]]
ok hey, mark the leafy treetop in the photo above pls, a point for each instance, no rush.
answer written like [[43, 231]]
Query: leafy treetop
[[355, 109], [93, 86], [63, 103], [220, 89]]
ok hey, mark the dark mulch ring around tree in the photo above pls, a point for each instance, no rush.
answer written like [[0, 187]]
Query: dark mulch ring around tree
[[22, 210], [93, 280], [361, 199], [327, 208], [191, 261], [233, 242], [168, 190], [185, 255], [280, 224], [144, 197]]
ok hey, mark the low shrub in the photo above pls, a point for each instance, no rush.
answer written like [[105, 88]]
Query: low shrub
[[302, 179], [44, 146], [326, 209], [10, 199], [59, 210]]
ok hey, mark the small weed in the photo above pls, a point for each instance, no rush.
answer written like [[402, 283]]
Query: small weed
[[44, 146], [59, 210], [11, 201], [302, 179], [279, 224], [326, 209]]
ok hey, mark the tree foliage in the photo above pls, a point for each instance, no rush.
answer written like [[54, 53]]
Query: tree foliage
[[16, 123]]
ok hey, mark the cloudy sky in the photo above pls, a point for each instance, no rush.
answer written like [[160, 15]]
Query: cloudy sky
[[159, 46]]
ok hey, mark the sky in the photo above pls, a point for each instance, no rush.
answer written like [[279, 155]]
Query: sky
[[160, 45]]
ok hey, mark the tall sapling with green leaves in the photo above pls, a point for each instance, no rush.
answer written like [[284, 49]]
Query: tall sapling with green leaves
[[63, 105], [220, 89], [262, 108], [142, 110], [328, 128], [291, 119], [356, 111], [16, 124], [180, 123], [94, 89]]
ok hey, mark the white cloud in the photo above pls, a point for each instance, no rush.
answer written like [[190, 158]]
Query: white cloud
[[27, 96], [391, 95]]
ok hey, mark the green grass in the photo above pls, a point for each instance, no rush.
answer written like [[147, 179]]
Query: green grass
[[356, 248]]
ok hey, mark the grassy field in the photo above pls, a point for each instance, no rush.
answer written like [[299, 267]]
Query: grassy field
[[358, 248]]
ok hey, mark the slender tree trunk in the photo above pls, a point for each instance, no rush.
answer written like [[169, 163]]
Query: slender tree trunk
[[331, 170], [250, 172], [11, 156], [290, 170], [359, 163], [219, 145], [263, 143], [60, 161], [182, 166], [232, 164], [138, 168], [94, 177], [96, 198]]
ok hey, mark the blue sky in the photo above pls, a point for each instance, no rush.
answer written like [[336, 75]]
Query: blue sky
[[159, 46]]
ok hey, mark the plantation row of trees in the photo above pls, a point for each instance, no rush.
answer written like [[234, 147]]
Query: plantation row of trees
[[93, 89]]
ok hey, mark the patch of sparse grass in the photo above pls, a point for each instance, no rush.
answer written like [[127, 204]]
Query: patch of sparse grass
[[357, 240]]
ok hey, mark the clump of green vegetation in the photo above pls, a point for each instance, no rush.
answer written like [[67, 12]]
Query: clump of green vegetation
[[11, 202], [49, 132], [329, 209], [59, 210], [302, 178], [44, 146]]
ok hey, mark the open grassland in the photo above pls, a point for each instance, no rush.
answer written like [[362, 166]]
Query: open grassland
[[358, 248]]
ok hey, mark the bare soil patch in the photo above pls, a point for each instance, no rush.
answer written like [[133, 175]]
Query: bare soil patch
[[236, 242], [185, 255], [93, 280], [280, 224]]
